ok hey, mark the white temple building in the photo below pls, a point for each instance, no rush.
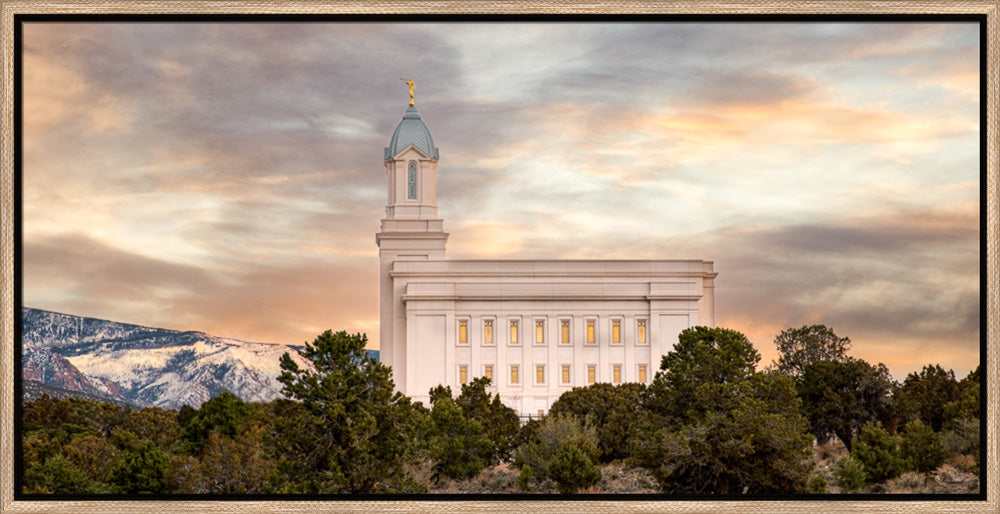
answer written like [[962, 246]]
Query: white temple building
[[537, 328]]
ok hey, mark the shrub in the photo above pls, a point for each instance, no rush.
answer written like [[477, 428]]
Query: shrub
[[552, 432], [962, 437], [524, 477], [878, 450], [141, 470], [572, 469], [613, 410], [849, 474], [921, 447], [58, 475], [817, 483]]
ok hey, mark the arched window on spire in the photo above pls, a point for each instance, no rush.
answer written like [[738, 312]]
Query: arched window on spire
[[411, 181]]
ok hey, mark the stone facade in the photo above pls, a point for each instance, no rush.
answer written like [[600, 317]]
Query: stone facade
[[537, 327]]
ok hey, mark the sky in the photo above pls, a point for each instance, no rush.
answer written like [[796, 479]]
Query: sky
[[228, 177]]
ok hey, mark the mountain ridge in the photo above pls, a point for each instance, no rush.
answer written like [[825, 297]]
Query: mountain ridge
[[147, 366]]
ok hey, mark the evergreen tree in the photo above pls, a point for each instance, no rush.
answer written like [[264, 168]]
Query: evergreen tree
[[713, 424], [839, 397], [140, 470], [225, 466], [920, 447], [155, 424], [58, 475], [223, 414], [572, 469], [458, 445], [962, 418], [351, 433], [878, 451], [612, 410], [800, 347], [92, 454], [930, 390], [966, 406], [500, 423], [849, 473]]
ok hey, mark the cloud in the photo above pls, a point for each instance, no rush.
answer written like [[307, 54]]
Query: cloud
[[903, 280], [267, 302]]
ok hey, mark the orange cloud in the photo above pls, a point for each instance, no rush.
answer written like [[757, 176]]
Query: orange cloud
[[55, 94], [807, 121], [487, 240]]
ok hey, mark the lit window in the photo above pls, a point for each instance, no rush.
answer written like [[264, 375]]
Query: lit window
[[463, 331], [488, 331], [565, 373], [591, 331], [642, 373], [591, 373], [641, 332], [488, 372], [411, 181], [513, 331], [540, 374], [541, 413], [616, 373], [514, 378], [539, 331], [616, 331], [565, 331], [463, 374]]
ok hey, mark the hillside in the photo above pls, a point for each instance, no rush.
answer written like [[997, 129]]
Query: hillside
[[146, 366]]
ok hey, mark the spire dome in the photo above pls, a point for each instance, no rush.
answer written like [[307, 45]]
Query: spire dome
[[411, 131]]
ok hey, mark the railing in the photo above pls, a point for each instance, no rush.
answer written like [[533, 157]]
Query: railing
[[525, 418]]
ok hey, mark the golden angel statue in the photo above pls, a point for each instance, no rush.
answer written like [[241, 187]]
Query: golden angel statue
[[409, 82]]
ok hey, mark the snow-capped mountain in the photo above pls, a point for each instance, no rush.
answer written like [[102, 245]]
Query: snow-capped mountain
[[146, 366]]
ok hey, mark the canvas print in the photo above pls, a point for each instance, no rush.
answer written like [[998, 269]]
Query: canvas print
[[712, 258]]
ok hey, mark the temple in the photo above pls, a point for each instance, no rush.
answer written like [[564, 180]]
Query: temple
[[536, 328]]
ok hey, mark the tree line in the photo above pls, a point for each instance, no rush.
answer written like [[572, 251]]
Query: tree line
[[708, 423]]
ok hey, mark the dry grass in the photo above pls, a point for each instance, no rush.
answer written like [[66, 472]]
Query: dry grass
[[618, 478], [830, 453], [948, 474], [966, 463], [498, 479], [953, 477], [825, 459], [826, 456], [910, 482], [949, 480]]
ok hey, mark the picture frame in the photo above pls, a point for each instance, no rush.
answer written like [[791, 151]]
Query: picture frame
[[9, 233]]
